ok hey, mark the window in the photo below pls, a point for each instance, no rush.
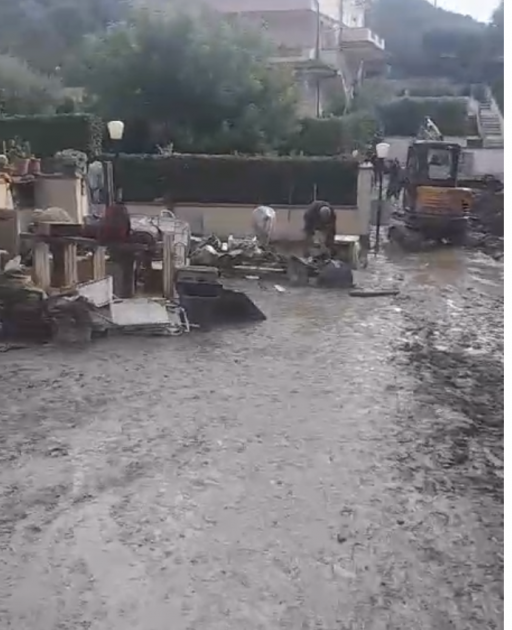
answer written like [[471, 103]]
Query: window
[[440, 164]]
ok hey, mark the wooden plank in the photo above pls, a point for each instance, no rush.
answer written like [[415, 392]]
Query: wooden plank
[[70, 265], [168, 268], [109, 183], [41, 270], [99, 264], [58, 268], [59, 229], [9, 230]]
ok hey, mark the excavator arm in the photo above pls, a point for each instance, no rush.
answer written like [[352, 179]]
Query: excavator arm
[[429, 131]]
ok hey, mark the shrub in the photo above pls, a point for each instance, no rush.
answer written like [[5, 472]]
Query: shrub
[[334, 135], [23, 90], [49, 134], [403, 117], [237, 179]]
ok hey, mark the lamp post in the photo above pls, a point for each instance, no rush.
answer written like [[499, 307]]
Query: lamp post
[[115, 131], [382, 150]]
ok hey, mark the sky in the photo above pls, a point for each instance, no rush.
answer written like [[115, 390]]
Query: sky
[[479, 9]]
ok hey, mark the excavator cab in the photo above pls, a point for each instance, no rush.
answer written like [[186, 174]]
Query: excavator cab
[[433, 203]]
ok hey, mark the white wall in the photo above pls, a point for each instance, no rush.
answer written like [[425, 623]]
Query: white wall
[[489, 161], [331, 8], [400, 145], [484, 161], [63, 192], [239, 6], [352, 14], [5, 195]]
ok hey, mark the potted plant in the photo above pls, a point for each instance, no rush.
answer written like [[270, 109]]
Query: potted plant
[[71, 162], [19, 156]]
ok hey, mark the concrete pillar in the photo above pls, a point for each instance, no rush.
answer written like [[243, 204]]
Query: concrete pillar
[[364, 202]]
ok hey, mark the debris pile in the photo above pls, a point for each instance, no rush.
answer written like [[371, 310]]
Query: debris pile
[[327, 273], [77, 315], [487, 222], [22, 306], [234, 253]]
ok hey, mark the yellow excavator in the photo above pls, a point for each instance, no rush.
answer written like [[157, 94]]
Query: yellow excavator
[[435, 208]]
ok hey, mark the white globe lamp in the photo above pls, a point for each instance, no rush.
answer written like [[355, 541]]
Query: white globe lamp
[[115, 129], [382, 150]]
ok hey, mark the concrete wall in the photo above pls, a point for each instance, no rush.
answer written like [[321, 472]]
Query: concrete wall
[[223, 220], [5, 195], [293, 29], [331, 8], [310, 92], [236, 219], [478, 161], [352, 13], [247, 6], [488, 161], [63, 192], [8, 219]]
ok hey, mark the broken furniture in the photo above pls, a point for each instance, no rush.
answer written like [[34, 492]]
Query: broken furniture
[[207, 302], [56, 261]]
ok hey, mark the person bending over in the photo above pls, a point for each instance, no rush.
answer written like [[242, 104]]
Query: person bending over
[[320, 217]]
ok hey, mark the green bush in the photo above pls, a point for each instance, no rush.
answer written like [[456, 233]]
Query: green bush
[[498, 90], [236, 179], [404, 116], [49, 134], [23, 90], [333, 135]]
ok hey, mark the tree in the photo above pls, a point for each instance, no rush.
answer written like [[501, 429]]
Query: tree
[[25, 91], [47, 33], [426, 41], [496, 49], [412, 29], [206, 83]]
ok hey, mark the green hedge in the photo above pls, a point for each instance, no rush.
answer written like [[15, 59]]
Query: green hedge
[[236, 179], [49, 134], [334, 135], [404, 116]]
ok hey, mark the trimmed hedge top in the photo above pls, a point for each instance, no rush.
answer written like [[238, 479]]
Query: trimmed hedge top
[[404, 116], [237, 179], [49, 134]]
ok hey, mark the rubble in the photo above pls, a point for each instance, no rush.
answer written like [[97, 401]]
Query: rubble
[[487, 223]]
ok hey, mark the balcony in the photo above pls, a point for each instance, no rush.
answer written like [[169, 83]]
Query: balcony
[[363, 43], [325, 64]]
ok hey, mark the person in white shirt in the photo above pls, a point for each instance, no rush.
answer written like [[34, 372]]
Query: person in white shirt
[[263, 224]]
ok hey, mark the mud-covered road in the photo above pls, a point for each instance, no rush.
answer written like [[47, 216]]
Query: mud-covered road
[[338, 467]]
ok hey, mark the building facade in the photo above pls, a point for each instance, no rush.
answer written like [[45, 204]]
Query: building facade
[[324, 42]]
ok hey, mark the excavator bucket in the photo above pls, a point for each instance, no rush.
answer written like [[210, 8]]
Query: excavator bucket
[[208, 304]]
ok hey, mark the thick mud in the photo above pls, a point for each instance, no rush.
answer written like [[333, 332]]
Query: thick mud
[[337, 467]]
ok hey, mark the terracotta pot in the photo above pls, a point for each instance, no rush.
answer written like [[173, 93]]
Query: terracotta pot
[[35, 166], [21, 166]]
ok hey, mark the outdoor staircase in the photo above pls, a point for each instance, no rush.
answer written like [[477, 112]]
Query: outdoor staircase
[[490, 123]]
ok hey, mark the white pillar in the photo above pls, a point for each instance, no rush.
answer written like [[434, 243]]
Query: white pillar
[[364, 198]]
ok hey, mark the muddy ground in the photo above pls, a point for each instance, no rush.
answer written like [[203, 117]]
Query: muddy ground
[[338, 467]]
